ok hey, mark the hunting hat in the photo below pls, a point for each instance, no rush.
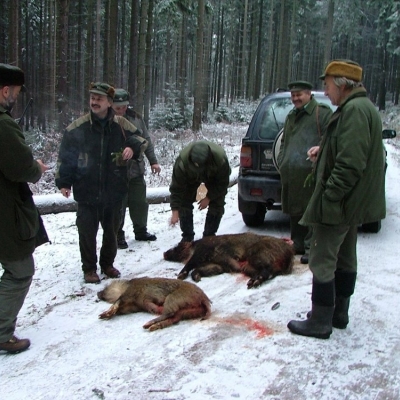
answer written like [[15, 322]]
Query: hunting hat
[[121, 97], [299, 85], [12, 76], [101, 88], [199, 153], [344, 68]]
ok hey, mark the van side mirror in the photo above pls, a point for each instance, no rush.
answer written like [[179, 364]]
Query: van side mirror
[[388, 134]]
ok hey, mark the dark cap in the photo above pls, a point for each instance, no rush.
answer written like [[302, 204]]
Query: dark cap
[[199, 153], [121, 97], [12, 76], [344, 68], [297, 86], [101, 88]]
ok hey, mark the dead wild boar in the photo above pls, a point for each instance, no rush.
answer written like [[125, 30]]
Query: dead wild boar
[[172, 299], [257, 256]]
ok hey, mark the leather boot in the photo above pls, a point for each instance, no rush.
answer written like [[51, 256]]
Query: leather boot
[[319, 325], [186, 224], [211, 225]]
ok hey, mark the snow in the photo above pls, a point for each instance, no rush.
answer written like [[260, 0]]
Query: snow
[[243, 351]]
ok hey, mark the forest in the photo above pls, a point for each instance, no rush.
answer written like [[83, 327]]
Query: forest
[[189, 58]]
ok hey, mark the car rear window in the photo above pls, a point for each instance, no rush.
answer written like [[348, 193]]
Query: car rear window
[[272, 114]]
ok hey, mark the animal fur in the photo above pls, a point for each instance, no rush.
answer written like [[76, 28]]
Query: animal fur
[[172, 299], [257, 256]]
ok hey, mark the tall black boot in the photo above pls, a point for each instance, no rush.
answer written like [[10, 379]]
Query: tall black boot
[[344, 283], [186, 224], [319, 325], [211, 225]]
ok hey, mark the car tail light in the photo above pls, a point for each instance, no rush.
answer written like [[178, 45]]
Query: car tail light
[[256, 192], [245, 157]]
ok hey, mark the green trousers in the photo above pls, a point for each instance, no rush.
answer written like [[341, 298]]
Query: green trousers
[[14, 286], [138, 206], [333, 248]]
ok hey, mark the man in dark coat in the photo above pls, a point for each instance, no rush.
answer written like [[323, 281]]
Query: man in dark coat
[[303, 129], [92, 161], [136, 198], [199, 162], [349, 190], [20, 224]]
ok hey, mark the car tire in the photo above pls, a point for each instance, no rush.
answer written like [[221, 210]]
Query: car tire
[[256, 219], [372, 227]]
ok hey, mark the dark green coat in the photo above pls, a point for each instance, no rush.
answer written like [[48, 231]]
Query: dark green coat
[[350, 170], [19, 222], [136, 167], [215, 176], [302, 130]]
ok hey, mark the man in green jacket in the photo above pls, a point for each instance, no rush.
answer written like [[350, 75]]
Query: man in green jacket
[[20, 224], [350, 190], [92, 161], [136, 198], [303, 129], [199, 162]]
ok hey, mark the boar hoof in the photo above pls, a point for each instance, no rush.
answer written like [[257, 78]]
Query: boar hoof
[[196, 276], [183, 275]]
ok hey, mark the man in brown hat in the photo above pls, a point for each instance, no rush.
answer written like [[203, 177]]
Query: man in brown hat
[[304, 127], [136, 197], [92, 160], [349, 191], [20, 224]]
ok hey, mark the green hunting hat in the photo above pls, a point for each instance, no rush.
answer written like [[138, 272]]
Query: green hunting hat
[[103, 89], [299, 85], [121, 97], [12, 76], [199, 153], [344, 68]]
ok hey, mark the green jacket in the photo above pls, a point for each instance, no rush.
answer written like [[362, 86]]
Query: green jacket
[[302, 130], [136, 167], [19, 222], [350, 169], [215, 176]]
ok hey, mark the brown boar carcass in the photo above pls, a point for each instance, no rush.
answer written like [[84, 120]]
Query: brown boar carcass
[[258, 256], [172, 299]]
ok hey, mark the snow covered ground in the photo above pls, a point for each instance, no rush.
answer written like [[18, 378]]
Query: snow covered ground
[[243, 351]]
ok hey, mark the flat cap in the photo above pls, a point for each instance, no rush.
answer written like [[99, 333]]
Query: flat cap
[[344, 68], [102, 88], [299, 85], [12, 76], [121, 97]]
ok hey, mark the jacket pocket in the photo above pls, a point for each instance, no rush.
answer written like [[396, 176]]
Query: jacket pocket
[[26, 220], [332, 211]]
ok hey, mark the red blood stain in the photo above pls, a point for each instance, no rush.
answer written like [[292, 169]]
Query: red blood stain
[[251, 325]]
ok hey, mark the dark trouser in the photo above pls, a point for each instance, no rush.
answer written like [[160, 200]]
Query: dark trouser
[[138, 206], [14, 286], [301, 235], [88, 218], [216, 209], [333, 248]]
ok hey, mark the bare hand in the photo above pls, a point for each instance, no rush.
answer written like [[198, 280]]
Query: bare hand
[[203, 203], [313, 153], [127, 153], [43, 167], [65, 192], [174, 218], [155, 169]]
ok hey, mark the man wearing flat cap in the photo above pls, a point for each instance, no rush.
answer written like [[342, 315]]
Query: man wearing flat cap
[[349, 191], [21, 229], [92, 161], [199, 162], [304, 127], [136, 198]]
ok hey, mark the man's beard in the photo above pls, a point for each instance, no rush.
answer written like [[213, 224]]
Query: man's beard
[[9, 104]]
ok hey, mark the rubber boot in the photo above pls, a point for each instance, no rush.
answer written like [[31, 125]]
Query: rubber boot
[[344, 283], [211, 225], [186, 224], [319, 325]]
